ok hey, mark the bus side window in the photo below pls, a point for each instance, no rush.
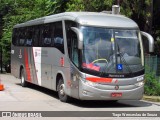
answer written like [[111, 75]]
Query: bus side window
[[72, 42], [74, 49], [21, 37], [69, 32], [36, 36], [58, 37], [46, 36], [28, 35]]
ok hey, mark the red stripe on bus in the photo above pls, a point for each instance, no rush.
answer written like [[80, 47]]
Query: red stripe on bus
[[27, 65], [34, 65], [94, 79]]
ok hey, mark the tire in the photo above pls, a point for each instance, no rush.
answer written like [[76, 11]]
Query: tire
[[23, 79], [61, 93]]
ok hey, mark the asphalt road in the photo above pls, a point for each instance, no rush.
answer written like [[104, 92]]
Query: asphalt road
[[35, 98]]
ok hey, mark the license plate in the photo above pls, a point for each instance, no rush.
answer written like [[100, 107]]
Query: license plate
[[116, 94]]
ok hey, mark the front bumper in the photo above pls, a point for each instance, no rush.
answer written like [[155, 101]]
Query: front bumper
[[87, 92]]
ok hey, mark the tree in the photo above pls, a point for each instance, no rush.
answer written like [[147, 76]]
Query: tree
[[18, 11], [89, 5]]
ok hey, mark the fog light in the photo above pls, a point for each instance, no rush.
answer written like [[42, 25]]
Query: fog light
[[91, 83], [141, 83], [84, 92]]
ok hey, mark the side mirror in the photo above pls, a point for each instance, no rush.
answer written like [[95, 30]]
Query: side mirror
[[150, 41], [80, 37]]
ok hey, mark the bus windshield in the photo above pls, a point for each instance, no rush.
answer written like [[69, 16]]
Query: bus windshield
[[111, 50]]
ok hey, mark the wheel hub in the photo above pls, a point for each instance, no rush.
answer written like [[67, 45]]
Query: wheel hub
[[22, 79], [61, 89]]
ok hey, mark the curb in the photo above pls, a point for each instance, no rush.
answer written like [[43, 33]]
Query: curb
[[151, 98]]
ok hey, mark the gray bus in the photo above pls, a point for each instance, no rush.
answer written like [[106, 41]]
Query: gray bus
[[82, 55]]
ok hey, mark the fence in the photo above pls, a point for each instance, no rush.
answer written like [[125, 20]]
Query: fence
[[152, 64]]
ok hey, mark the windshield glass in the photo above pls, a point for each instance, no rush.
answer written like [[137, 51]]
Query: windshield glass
[[111, 50]]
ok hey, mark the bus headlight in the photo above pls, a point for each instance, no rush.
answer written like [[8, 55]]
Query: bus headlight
[[87, 82], [91, 83], [139, 84]]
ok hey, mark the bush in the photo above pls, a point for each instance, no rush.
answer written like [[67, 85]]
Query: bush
[[152, 85]]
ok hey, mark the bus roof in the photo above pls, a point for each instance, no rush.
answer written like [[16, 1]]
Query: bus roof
[[87, 19]]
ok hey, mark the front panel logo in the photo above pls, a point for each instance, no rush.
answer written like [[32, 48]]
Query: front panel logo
[[116, 81], [116, 87]]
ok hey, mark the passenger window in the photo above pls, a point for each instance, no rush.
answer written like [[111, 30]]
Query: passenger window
[[21, 37], [45, 36], [36, 36], [58, 37], [29, 40]]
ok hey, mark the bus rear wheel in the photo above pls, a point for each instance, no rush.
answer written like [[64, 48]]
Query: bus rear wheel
[[61, 92], [23, 79]]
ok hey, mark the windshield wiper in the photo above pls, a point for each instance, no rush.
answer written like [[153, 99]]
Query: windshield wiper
[[123, 59], [106, 66]]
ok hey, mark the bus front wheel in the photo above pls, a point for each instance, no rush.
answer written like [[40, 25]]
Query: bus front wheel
[[61, 92], [23, 80]]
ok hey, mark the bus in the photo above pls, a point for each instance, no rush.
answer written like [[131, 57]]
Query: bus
[[81, 55]]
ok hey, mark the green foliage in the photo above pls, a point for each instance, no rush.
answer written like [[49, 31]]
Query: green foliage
[[152, 85], [18, 11], [75, 5], [89, 5], [98, 5], [157, 47]]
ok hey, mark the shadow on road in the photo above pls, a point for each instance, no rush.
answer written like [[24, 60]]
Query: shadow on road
[[111, 104], [94, 104], [41, 89]]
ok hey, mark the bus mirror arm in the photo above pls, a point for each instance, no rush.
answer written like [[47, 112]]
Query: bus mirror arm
[[150, 40], [80, 37]]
